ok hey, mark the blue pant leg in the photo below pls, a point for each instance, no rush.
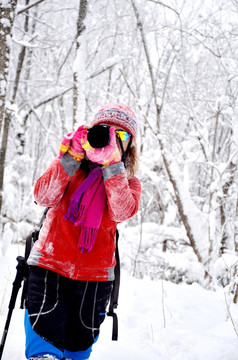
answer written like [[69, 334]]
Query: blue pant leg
[[79, 355], [36, 345]]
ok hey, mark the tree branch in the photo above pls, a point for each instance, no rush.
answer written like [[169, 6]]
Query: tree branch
[[167, 6], [45, 101], [29, 7]]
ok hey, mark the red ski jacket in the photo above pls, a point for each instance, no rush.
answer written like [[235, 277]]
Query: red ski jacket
[[56, 248]]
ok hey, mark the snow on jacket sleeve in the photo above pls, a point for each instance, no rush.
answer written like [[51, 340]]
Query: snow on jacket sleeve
[[50, 187], [123, 195]]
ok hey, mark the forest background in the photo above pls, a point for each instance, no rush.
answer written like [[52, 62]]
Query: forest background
[[175, 63]]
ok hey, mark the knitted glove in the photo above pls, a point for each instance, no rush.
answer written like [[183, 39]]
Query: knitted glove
[[72, 143], [108, 155]]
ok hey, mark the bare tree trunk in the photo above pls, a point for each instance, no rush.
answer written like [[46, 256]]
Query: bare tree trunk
[[225, 189], [8, 15], [167, 164], [180, 205], [7, 113], [77, 87], [211, 240], [21, 57], [236, 227]]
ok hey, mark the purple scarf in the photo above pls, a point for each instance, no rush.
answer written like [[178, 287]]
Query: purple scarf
[[86, 208]]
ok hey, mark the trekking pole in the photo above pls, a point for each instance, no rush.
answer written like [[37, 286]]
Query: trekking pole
[[21, 271]]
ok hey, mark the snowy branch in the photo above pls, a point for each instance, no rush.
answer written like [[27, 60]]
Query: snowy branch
[[18, 12], [45, 101]]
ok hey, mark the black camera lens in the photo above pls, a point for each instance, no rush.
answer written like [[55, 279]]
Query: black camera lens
[[99, 136]]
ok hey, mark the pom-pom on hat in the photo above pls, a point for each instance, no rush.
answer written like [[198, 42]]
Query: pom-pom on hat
[[118, 114]]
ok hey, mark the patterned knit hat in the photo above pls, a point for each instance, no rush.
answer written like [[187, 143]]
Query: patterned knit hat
[[118, 114]]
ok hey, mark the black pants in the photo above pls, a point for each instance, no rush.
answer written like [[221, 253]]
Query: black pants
[[67, 313]]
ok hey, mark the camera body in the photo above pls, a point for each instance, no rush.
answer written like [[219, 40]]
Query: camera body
[[99, 136]]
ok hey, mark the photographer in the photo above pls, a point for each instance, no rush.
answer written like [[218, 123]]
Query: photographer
[[89, 188]]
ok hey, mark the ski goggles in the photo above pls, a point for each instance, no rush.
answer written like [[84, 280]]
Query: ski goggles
[[123, 135]]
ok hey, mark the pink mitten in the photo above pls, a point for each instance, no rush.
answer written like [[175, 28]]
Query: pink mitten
[[108, 155], [72, 143]]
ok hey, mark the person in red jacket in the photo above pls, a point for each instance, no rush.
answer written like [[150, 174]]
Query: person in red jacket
[[88, 190]]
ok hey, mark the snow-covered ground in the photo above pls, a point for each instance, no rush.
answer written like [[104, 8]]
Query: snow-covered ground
[[157, 321]]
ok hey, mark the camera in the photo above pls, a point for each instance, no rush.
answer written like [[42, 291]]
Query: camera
[[99, 136]]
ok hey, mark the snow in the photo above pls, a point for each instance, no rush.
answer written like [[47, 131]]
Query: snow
[[5, 3], [225, 264], [5, 22], [3, 85], [24, 43], [7, 237], [158, 320]]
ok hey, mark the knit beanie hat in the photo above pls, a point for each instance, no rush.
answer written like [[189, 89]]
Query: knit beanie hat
[[118, 114]]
